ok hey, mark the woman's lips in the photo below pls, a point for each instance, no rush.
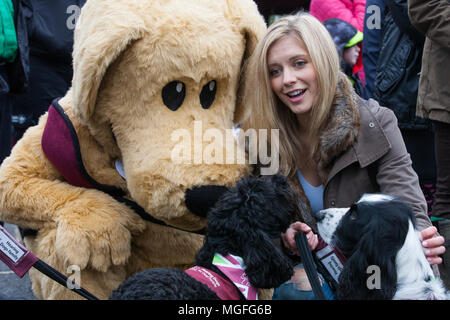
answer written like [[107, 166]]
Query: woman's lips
[[296, 95]]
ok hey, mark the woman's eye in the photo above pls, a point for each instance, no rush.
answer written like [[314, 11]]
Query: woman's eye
[[300, 63], [274, 72]]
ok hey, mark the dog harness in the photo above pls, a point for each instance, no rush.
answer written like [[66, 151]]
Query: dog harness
[[223, 288], [331, 258], [61, 146], [233, 268]]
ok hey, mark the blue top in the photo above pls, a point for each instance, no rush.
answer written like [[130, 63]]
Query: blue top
[[314, 194]]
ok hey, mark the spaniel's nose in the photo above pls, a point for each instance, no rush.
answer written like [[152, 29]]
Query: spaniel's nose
[[319, 215]]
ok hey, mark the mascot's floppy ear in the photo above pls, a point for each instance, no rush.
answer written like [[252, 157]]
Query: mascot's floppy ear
[[97, 43], [245, 15]]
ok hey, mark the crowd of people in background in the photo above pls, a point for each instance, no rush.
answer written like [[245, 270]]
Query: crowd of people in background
[[395, 52]]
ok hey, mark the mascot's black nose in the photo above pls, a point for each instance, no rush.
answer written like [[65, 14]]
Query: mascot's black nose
[[319, 215], [199, 200]]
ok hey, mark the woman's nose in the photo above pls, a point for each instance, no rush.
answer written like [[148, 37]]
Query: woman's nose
[[289, 78]]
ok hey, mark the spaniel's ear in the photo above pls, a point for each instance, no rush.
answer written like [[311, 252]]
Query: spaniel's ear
[[104, 30], [245, 16], [266, 265], [370, 273], [362, 280]]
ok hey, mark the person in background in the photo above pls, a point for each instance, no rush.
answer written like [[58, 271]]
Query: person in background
[[333, 145], [8, 53], [432, 18], [50, 60], [396, 86], [373, 35], [352, 11], [347, 40], [14, 65]]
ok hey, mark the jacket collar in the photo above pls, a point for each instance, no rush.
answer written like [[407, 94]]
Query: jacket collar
[[341, 128], [352, 133]]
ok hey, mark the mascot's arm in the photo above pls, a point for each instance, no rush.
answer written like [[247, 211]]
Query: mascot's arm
[[91, 227]]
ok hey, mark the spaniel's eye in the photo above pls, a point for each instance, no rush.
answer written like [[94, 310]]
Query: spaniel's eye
[[208, 94], [353, 211], [173, 94]]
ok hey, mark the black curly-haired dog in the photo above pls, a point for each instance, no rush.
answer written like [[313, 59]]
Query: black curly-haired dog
[[245, 222]]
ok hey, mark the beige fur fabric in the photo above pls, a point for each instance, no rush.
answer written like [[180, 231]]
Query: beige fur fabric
[[125, 53]]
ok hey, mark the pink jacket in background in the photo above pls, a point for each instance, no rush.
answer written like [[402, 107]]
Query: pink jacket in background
[[351, 11], [347, 10]]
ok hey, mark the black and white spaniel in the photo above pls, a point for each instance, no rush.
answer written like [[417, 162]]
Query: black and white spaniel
[[379, 231]]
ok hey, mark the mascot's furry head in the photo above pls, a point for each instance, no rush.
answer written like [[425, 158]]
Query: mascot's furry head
[[156, 84], [144, 70]]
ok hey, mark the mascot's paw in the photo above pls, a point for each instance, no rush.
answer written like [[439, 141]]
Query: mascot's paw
[[96, 233]]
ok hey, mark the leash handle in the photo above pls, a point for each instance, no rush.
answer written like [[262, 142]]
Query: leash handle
[[309, 264], [20, 260]]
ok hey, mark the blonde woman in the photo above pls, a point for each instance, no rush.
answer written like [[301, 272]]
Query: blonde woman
[[333, 145]]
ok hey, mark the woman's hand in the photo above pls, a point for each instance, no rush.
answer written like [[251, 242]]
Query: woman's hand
[[289, 236], [433, 245]]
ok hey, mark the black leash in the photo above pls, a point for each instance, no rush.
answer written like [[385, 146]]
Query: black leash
[[62, 279], [148, 217], [310, 265]]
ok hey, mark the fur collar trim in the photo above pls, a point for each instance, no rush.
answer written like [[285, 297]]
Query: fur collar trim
[[341, 128]]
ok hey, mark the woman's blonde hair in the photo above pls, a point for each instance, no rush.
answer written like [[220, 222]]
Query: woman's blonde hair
[[267, 111]]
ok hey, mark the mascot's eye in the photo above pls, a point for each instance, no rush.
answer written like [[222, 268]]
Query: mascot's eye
[[208, 94], [173, 94]]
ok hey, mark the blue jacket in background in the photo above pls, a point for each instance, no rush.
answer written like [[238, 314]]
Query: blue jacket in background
[[373, 22]]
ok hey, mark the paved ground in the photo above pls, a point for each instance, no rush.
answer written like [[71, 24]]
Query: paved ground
[[11, 286]]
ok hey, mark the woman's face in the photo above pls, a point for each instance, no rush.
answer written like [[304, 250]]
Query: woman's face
[[292, 75]]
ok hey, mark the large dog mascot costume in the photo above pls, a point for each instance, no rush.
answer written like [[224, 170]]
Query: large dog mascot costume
[[144, 72]]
